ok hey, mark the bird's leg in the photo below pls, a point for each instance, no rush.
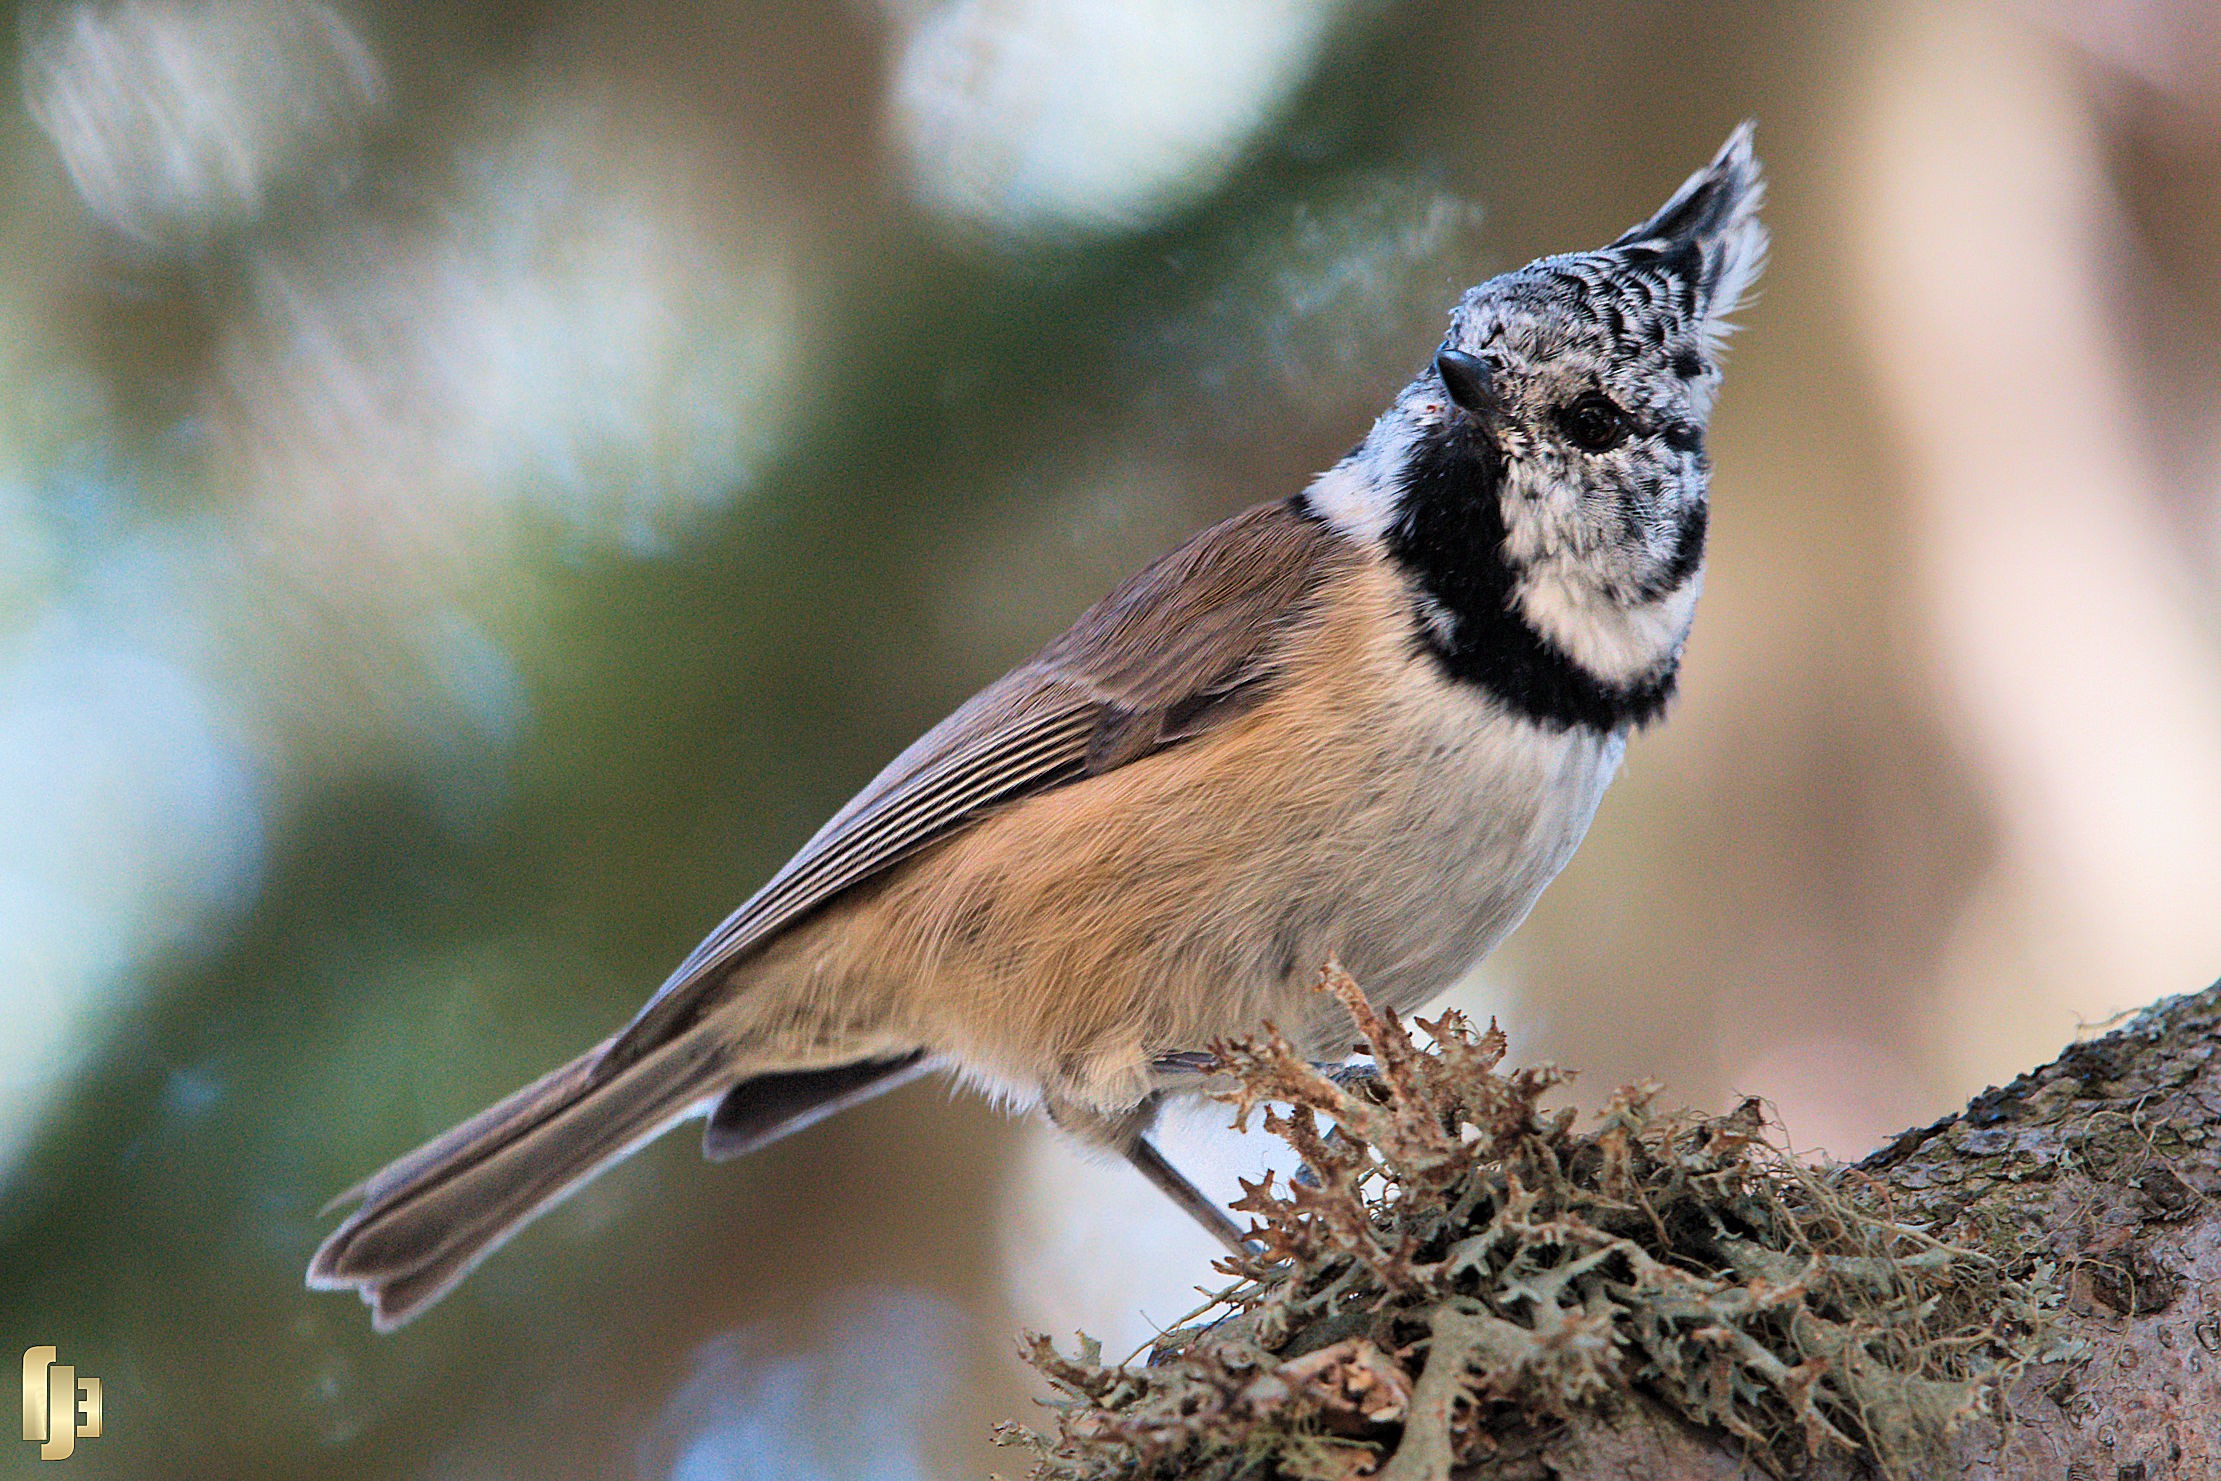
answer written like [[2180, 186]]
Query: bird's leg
[[1171, 1182], [1181, 1063], [1129, 1134], [1360, 1077]]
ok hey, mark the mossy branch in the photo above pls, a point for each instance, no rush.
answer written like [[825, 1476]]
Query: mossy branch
[[1465, 1288]]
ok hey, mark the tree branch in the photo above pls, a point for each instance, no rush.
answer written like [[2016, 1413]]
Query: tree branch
[[2028, 1289]]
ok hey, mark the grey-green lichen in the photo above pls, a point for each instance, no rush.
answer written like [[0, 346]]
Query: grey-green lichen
[[1461, 1269]]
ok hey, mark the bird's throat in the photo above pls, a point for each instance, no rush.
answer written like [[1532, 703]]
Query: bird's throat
[[1449, 537]]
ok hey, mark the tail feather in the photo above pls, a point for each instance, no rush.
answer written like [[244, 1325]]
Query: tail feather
[[428, 1219], [764, 1108], [510, 1115]]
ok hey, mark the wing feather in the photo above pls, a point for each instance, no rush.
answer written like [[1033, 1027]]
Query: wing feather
[[1177, 649]]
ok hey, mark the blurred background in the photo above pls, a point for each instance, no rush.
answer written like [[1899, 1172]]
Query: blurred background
[[480, 483]]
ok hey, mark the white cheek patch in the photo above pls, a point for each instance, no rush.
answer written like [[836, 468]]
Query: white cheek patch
[[1568, 570], [1539, 510], [1618, 644]]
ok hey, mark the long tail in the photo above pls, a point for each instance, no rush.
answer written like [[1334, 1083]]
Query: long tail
[[426, 1221]]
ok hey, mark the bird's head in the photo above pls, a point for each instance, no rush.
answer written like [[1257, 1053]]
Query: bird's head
[[1543, 480]]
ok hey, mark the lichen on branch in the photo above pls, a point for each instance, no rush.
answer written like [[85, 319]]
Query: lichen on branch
[[1458, 1267]]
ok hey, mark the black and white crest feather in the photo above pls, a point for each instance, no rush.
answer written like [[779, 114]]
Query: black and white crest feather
[[1543, 484]]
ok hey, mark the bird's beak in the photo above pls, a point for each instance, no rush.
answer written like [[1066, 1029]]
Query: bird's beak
[[1470, 382]]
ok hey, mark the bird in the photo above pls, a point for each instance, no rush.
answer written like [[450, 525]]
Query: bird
[[1366, 722]]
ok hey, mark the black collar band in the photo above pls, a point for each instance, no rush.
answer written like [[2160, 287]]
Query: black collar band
[[1449, 535]]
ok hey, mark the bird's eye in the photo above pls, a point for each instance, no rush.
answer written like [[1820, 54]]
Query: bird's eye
[[1594, 422]]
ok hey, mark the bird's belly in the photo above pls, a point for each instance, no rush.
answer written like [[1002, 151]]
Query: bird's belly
[[1475, 813], [1195, 895]]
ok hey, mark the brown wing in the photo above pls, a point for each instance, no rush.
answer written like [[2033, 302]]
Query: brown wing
[[1179, 647]]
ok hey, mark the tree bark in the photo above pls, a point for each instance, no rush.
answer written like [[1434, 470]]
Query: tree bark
[[2109, 1158], [2029, 1290]]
